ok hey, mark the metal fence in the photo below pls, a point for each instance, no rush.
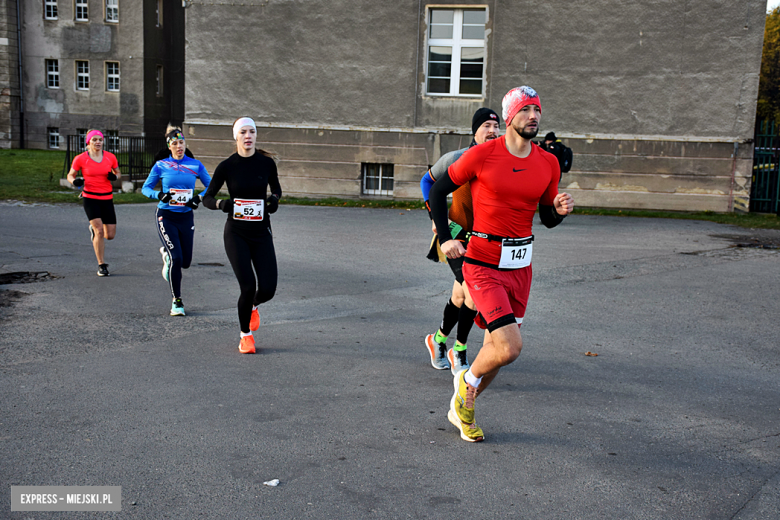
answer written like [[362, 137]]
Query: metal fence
[[135, 155], [765, 187]]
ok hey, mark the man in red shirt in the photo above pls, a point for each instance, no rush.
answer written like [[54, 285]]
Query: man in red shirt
[[509, 177]]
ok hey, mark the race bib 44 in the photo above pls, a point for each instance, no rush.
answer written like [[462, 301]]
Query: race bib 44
[[180, 197]]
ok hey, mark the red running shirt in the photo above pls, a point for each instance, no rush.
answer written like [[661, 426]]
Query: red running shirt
[[96, 183], [505, 190]]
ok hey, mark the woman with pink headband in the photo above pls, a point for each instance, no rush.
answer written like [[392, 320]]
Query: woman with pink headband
[[98, 168], [249, 245]]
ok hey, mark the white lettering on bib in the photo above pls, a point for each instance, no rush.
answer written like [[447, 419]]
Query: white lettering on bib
[[248, 209], [516, 252], [180, 197]]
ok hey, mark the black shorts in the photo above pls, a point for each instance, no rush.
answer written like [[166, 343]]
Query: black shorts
[[102, 209]]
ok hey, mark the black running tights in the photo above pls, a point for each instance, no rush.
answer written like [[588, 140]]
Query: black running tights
[[250, 255]]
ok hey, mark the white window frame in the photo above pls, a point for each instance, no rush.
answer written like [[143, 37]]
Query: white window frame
[[112, 76], [112, 11], [81, 7], [383, 167], [159, 80], [52, 75], [82, 135], [82, 75], [457, 43], [50, 6], [54, 137]]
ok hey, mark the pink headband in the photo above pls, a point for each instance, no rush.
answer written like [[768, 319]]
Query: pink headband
[[92, 134], [516, 99]]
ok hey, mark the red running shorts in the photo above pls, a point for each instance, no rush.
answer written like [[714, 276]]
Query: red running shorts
[[500, 296]]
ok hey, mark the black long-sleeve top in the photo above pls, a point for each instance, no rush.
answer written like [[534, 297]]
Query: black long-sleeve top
[[246, 178]]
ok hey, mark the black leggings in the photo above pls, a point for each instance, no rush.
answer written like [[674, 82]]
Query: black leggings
[[250, 254]]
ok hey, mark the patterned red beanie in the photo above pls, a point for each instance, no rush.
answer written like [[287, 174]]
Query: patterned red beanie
[[516, 99]]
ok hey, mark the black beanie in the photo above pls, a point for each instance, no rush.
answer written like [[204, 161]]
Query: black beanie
[[482, 115], [550, 137]]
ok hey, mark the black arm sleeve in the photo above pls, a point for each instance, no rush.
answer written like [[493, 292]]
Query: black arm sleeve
[[549, 217], [438, 200], [273, 182], [209, 196]]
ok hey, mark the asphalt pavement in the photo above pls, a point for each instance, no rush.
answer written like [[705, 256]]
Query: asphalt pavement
[[677, 417]]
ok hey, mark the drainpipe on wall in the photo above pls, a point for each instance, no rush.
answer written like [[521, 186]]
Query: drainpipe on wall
[[417, 64], [21, 82], [733, 178]]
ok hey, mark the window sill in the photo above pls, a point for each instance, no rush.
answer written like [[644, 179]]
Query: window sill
[[455, 96]]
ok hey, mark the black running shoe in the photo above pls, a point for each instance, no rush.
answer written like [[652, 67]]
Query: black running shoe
[[103, 271]]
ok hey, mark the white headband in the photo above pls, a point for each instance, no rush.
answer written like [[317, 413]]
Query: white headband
[[241, 123]]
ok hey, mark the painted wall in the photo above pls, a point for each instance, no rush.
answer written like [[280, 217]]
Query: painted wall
[[657, 99]]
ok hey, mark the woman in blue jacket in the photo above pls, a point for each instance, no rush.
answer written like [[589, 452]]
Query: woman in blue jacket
[[175, 223]]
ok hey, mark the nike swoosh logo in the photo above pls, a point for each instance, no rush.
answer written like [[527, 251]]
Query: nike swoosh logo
[[520, 170]]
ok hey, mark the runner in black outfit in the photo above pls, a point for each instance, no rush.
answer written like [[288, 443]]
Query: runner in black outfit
[[248, 241]]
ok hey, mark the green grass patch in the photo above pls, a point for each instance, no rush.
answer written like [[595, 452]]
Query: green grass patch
[[355, 203], [745, 220], [34, 176]]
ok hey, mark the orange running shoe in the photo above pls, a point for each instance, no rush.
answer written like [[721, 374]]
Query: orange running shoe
[[247, 345], [254, 322]]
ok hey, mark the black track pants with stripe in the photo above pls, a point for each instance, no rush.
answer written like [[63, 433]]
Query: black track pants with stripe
[[176, 231]]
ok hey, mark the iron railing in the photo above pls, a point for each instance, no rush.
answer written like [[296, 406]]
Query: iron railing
[[765, 186], [135, 155]]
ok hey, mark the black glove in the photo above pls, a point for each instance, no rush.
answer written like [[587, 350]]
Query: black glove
[[225, 205], [78, 182], [164, 197], [112, 176], [271, 204], [193, 202]]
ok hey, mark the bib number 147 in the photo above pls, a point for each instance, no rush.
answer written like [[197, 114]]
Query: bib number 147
[[516, 253]]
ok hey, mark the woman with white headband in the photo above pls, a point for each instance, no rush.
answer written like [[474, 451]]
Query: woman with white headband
[[248, 173], [98, 168], [175, 223]]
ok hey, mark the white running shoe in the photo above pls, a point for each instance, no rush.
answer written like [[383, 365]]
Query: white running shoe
[[166, 258], [438, 353], [458, 359]]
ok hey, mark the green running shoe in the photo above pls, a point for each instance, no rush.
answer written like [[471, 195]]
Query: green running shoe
[[461, 413]]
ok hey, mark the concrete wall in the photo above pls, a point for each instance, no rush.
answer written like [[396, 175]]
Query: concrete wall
[[651, 96], [9, 76]]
